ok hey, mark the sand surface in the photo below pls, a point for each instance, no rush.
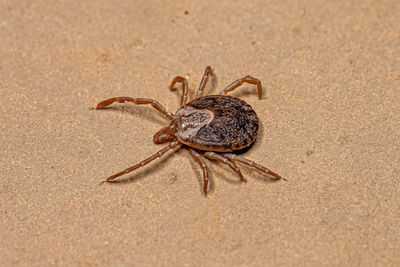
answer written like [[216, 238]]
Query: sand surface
[[330, 124]]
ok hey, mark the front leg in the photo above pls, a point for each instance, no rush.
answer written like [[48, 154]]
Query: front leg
[[179, 79], [144, 162], [137, 101]]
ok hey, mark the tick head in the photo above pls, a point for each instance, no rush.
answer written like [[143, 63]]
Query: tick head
[[189, 121]]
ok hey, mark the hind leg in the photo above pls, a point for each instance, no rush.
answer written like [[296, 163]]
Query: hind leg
[[225, 160], [239, 82], [203, 165], [252, 164]]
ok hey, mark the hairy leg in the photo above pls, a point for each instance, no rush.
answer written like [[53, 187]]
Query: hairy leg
[[144, 162], [137, 101], [239, 82], [203, 82], [179, 79], [203, 165], [253, 164], [221, 158]]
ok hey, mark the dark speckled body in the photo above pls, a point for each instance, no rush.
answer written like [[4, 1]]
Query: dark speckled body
[[227, 123], [206, 126]]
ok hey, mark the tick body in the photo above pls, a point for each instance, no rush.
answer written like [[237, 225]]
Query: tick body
[[212, 126], [216, 123]]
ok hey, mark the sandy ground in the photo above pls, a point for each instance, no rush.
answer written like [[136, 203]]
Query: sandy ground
[[330, 123]]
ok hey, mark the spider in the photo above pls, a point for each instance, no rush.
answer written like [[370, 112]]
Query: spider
[[211, 126]]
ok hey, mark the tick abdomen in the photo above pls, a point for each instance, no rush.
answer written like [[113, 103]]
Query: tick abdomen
[[228, 124]]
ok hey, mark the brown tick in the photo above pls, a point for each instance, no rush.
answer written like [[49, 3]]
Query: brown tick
[[210, 126]]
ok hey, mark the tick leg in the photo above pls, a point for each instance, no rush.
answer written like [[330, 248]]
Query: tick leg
[[203, 165], [144, 162], [203, 83], [137, 101], [254, 165], [237, 83], [179, 79], [227, 161]]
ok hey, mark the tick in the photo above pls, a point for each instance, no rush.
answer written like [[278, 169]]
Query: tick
[[211, 126]]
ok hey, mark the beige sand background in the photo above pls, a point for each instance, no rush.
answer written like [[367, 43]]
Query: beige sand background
[[330, 124]]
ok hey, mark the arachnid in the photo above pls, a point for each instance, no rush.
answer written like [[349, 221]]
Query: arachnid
[[211, 126]]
